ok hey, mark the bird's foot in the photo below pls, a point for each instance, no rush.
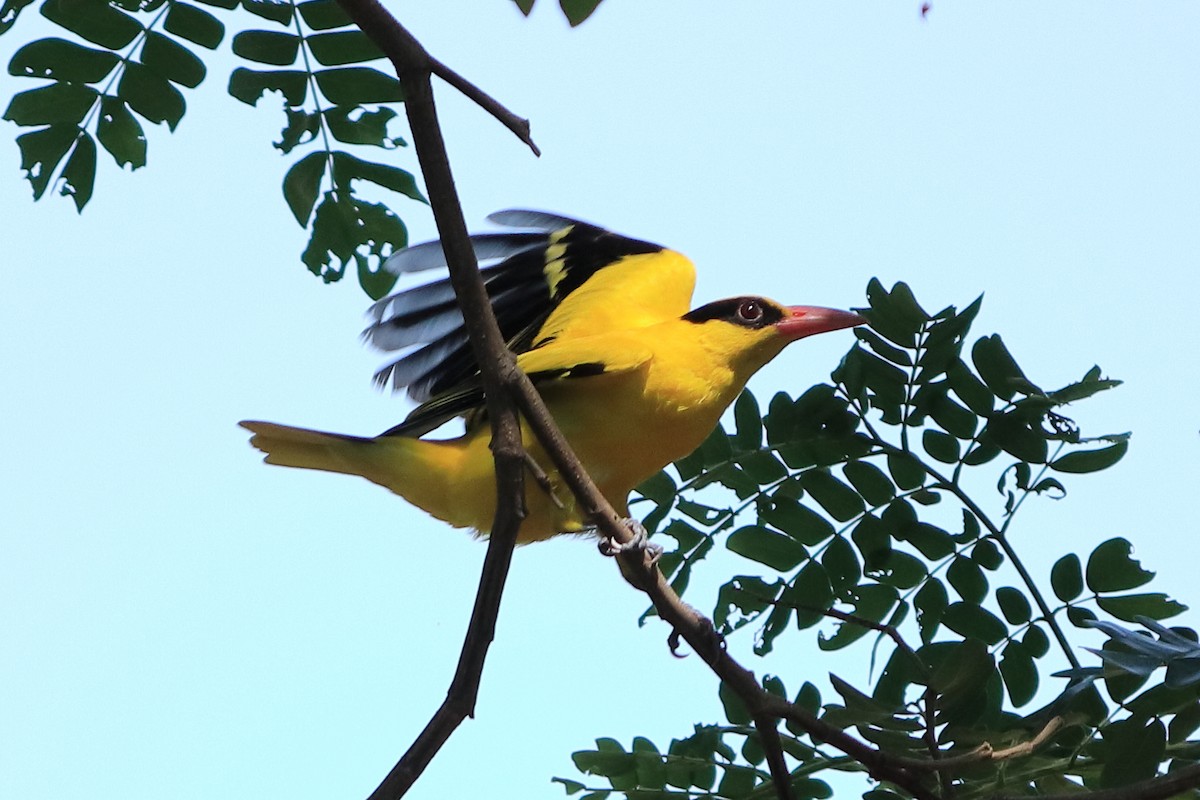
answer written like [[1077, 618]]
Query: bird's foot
[[710, 639], [640, 541]]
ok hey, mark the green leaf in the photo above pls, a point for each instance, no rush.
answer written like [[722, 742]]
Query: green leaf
[[891, 316], [974, 621], [323, 15], [1066, 578], [11, 9], [1015, 436], [578, 10], [354, 125], [99, 23], [335, 235], [659, 487], [839, 500], [1036, 641], [901, 570], [267, 47], [248, 85], [41, 152], [941, 446], [960, 669], [870, 482], [302, 127], [801, 523], [150, 95], [172, 61], [871, 537], [738, 781], [1134, 749], [51, 105], [1090, 460], [1014, 605], [194, 24], [79, 173], [270, 9], [747, 423], [569, 786], [997, 367], [906, 470], [970, 389], [302, 184], [933, 542], [62, 61], [980, 454], [905, 304], [953, 418], [343, 47], [930, 602], [1090, 385], [353, 86], [766, 547], [872, 602], [120, 133], [526, 7], [967, 579], [735, 709], [882, 348], [842, 564], [1081, 617], [1129, 607], [987, 555], [346, 168], [1111, 568], [1020, 674], [810, 593]]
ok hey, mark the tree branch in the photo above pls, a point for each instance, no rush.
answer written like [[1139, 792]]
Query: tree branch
[[414, 67], [1160, 788]]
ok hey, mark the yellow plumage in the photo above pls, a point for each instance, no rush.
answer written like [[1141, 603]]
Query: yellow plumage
[[633, 381]]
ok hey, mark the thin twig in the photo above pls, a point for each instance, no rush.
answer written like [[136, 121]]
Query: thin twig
[[413, 66], [518, 125], [768, 733]]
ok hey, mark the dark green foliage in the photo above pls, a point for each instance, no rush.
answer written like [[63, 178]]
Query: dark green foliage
[[132, 62], [864, 508]]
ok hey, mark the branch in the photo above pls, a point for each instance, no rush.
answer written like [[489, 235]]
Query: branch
[[414, 68], [1160, 788], [518, 125]]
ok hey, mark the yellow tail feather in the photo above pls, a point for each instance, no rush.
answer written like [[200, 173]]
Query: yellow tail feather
[[309, 449]]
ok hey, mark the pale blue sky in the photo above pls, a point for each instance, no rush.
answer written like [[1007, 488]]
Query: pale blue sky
[[180, 621]]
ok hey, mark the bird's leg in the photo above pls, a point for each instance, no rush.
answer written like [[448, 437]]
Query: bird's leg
[[640, 541], [542, 480]]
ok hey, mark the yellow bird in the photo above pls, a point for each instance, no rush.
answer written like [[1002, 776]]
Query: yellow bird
[[600, 323]]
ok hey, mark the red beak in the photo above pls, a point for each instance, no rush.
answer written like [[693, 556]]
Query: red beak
[[808, 320]]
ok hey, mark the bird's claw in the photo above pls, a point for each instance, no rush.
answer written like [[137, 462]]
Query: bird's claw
[[712, 638], [640, 541]]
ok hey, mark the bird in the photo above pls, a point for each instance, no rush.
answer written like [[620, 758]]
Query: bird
[[601, 323]]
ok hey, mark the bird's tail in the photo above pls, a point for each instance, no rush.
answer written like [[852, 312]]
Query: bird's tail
[[308, 449], [426, 473]]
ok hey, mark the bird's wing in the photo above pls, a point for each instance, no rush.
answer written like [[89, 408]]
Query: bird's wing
[[552, 278], [554, 362]]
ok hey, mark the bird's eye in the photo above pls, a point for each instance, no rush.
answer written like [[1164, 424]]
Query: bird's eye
[[750, 311]]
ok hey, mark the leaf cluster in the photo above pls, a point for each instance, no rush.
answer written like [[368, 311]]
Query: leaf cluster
[[124, 63], [865, 513]]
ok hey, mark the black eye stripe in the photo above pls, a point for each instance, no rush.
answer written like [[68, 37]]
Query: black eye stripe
[[729, 310]]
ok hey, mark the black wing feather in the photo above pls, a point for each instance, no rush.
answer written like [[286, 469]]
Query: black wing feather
[[519, 291]]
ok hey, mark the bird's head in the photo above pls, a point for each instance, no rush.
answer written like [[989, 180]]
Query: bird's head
[[750, 331]]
